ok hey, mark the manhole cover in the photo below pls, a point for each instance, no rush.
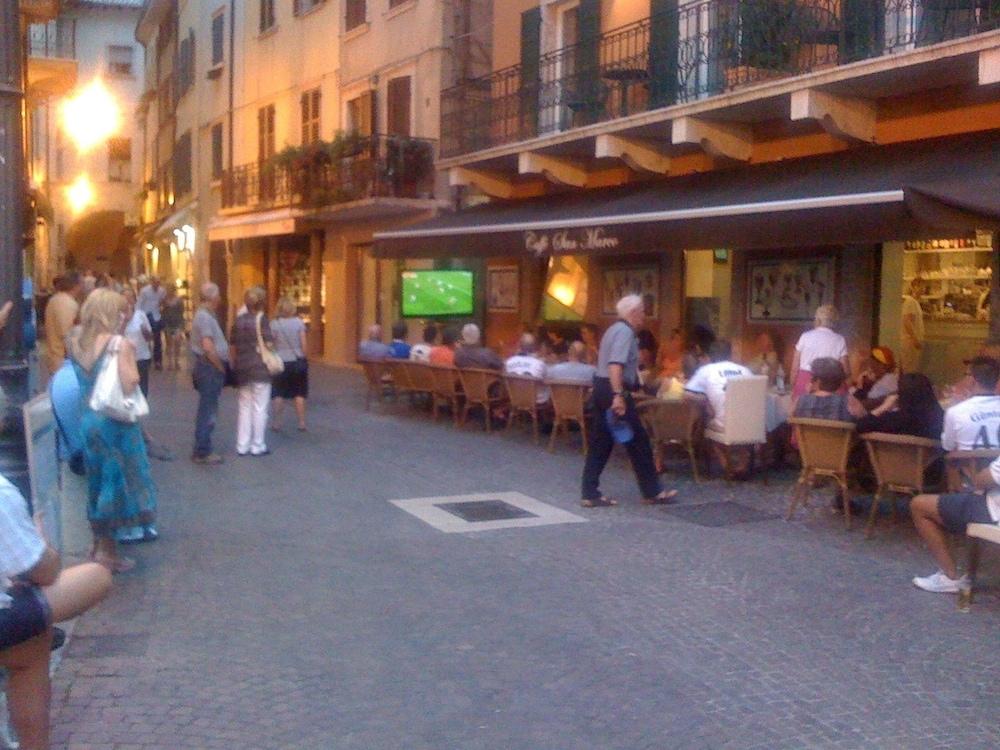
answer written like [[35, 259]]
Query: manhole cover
[[718, 514], [485, 510]]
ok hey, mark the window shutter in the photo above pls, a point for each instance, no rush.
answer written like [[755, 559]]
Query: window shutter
[[664, 50], [531, 51], [864, 29], [588, 60], [398, 106]]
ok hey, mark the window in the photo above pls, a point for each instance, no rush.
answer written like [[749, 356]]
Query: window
[[182, 165], [360, 113], [185, 64], [120, 60], [265, 133], [218, 38], [217, 151], [119, 159], [355, 15], [398, 106], [266, 15], [310, 116], [304, 6]]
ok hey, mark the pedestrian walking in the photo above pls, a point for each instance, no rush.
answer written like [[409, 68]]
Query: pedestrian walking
[[250, 332], [150, 299], [292, 384], [60, 317], [616, 378], [211, 358], [120, 488], [172, 317], [140, 333]]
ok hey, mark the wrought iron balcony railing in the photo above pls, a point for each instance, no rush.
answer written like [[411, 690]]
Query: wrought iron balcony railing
[[325, 174], [55, 39], [698, 50]]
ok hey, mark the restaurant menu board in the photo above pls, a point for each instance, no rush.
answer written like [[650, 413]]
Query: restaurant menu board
[[789, 290], [43, 466]]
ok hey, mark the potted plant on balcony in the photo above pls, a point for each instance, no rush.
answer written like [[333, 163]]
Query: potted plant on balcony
[[409, 162]]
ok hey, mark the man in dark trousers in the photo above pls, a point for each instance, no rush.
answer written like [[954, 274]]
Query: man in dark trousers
[[617, 376]]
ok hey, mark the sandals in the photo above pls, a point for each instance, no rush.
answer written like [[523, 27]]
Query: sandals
[[598, 502], [664, 498]]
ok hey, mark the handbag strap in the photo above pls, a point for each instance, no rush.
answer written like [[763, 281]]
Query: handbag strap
[[260, 336]]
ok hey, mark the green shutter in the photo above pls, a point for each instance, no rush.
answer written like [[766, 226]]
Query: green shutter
[[863, 29], [531, 51], [588, 84], [664, 49]]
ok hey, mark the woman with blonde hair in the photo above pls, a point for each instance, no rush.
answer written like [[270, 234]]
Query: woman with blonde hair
[[289, 333], [821, 341], [253, 380], [120, 489]]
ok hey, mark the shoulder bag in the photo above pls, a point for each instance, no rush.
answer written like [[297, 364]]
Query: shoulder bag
[[107, 397], [272, 361]]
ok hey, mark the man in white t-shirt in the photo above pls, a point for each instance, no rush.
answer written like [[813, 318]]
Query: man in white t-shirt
[[528, 364], [912, 333], [975, 422], [708, 384], [150, 301], [422, 352]]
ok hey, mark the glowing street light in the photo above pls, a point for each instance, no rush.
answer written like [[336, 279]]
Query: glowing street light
[[91, 116], [80, 194]]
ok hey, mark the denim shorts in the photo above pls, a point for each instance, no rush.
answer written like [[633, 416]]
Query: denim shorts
[[958, 510], [27, 616]]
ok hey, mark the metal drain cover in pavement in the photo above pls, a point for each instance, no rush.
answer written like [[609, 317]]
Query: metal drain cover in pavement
[[486, 510], [725, 513]]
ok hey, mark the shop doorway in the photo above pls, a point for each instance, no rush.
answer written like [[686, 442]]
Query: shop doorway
[[708, 290]]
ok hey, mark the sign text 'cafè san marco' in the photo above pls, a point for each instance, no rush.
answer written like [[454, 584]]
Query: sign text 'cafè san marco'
[[568, 241]]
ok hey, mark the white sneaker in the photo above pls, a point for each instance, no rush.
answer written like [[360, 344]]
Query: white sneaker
[[939, 583]]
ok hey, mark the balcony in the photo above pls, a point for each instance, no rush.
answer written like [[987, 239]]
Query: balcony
[[51, 50], [700, 50], [324, 175]]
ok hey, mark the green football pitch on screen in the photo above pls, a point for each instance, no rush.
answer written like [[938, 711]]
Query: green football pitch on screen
[[430, 293]]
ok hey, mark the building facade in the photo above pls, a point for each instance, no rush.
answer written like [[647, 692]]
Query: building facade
[[738, 162]]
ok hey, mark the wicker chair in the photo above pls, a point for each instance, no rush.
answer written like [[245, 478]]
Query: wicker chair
[[746, 420], [480, 388], [523, 393], [396, 369], [380, 384], [825, 448], [420, 378], [962, 466], [899, 462], [976, 534], [446, 390], [672, 422], [569, 404]]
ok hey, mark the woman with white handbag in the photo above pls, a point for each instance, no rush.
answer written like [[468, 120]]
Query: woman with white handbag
[[251, 350], [120, 489]]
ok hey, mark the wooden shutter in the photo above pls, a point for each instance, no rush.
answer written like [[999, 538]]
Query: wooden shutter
[[531, 51], [664, 49], [588, 83], [398, 106], [365, 114]]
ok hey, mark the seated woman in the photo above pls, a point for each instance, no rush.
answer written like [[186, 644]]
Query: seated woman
[[912, 410], [879, 379], [824, 401]]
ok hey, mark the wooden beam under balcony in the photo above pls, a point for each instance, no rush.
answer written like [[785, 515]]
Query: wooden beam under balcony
[[641, 156], [494, 184], [846, 118], [557, 170], [726, 140], [989, 66]]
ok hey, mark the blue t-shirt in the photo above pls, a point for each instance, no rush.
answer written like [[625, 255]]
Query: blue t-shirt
[[399, 349]]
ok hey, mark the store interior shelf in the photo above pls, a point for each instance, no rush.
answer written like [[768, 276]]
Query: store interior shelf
[[942, 251], [948, 278]]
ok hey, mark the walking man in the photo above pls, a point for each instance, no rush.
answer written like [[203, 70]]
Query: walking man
[[617, 376], [211, 353], [150, 300]]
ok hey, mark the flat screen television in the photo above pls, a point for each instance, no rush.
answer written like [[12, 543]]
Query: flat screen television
[[430, 294]]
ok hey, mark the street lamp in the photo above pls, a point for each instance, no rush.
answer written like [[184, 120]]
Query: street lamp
[[80, 194], [91, 116]]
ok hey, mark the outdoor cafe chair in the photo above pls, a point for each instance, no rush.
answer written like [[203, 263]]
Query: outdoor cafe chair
[[977, 533], [825, 448], [420, 378], [962, 466], [396, 369], [523, 393], [380, 384], [746, 419], [672, 422], [899, 462], [482, 388], [446, 390], [569, 404]]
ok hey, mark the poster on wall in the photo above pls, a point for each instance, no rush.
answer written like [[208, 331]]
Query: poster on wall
[[642, 281], [502, 288], [788, 290]]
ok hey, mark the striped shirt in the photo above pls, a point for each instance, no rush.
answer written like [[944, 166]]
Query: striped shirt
[[20, 545]]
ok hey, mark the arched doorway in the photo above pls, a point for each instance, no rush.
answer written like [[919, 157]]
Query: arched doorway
[[100, 242]]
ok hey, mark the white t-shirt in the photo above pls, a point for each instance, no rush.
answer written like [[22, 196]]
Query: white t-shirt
[[820, 342], [710, 380], [420, 353], [150, 299], [133, 332], [884, 386], [972, 424], [912, 307], [993, 496], [530, 367], [20, 545]]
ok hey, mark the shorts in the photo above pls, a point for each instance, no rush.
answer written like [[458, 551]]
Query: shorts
[[958, 510], [27, 616], [293, 381]]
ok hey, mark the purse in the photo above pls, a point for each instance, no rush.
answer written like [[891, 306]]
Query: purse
[[272, 361], [107, 397]]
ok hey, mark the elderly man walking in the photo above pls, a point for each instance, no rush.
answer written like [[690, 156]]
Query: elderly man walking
[[150, 302], [617, 376], [211, 353]]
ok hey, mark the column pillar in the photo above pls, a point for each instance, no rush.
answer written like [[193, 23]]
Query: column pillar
[[317, 239]]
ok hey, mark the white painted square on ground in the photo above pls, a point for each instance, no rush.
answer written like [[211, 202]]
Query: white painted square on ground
[[428, 509]]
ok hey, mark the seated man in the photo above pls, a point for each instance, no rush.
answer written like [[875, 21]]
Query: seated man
[[933, 515], [444, 353], [372, 348], [34, 594], [879, 379], [825, 401], [473, 355], [422, 352], [574, 368], [527, 363], [975, 422], [399, 349]]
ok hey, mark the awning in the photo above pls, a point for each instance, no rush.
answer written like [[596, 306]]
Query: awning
[[860, 195], [247, 226]]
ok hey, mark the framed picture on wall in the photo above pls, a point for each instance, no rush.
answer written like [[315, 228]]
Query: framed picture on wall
[[502, 292], [642, 281], [788, 290]]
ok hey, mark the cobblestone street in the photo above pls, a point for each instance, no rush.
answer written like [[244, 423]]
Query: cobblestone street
[[289, 604]]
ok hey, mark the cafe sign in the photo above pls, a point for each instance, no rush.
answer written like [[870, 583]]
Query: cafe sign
[[570, 241]]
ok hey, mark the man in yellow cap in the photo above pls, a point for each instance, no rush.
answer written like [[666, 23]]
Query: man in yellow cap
[[879, 380]]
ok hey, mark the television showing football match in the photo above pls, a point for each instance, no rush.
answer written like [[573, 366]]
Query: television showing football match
[[430, 294]]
